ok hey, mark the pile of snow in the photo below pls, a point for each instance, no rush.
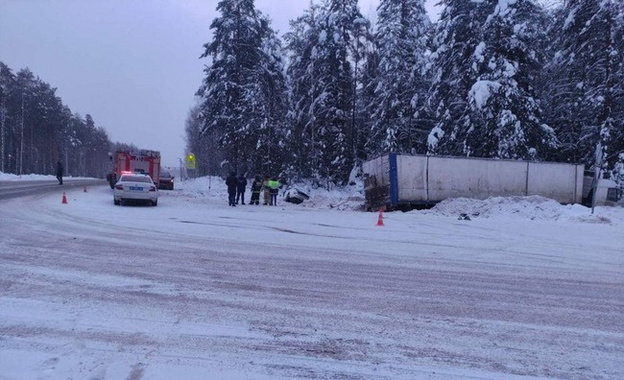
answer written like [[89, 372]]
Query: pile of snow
[[531, 207], [25, 177], [33, 177]]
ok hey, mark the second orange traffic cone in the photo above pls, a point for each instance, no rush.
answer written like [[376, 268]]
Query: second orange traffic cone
[[64, 199], [380, 218]]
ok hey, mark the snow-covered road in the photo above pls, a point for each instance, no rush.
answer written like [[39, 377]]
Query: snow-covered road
[[194, 289]]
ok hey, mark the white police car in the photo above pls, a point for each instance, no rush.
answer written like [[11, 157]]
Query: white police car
[[135, 187]]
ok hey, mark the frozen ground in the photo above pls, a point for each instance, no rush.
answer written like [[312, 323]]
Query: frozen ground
[[195, 289]]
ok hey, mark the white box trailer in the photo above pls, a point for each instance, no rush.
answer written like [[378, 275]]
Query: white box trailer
[[403, 181]]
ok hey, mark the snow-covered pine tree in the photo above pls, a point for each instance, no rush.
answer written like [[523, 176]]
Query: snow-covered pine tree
[[489, 109], [234, 97], [333, 108], [585, 98], [457, 35], [301, 42], [271, 98], [366, 98], [322, 46], [504, 112], [7, 85], [361, 45], [399, 85], [617, 141]]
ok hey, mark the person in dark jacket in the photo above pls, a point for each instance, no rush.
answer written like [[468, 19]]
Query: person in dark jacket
[[240, 189], [59, 172], [231, 183], [256, 188]]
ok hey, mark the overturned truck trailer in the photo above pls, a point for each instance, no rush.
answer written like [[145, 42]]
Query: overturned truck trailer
[[401, 181]]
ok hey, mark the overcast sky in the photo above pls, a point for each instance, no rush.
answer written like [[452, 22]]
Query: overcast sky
[[132, 64]]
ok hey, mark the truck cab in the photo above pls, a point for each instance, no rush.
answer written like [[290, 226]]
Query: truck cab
[[607, 191]]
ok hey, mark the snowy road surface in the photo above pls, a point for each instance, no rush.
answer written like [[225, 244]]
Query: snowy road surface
[[194, 289]]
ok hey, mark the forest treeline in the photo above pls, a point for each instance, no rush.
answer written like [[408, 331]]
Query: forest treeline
[[501, 79], [37, 130]]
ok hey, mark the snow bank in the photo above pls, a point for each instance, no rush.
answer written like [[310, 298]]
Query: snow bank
[[33, 177], [24, 177], [532, 208]]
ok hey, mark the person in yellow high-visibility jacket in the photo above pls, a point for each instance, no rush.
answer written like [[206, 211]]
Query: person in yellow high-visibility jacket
[[273, 190]]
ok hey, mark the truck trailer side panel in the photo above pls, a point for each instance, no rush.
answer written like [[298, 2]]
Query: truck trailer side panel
[[411, 176], [475, 178], [395, 180], [558, 181]]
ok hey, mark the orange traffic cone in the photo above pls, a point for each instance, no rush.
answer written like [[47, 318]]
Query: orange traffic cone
[[380, 218], [64, 199]]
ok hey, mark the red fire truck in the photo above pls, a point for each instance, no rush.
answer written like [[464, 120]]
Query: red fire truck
[[141, 161]]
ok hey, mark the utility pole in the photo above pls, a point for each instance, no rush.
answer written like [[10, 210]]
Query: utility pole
[[21, 155], [2, 142], [597, 167]]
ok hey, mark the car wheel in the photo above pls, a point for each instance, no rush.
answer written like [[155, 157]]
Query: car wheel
[[115, 202], [155, 203]]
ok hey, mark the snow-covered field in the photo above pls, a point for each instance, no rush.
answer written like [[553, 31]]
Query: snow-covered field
[[194, 289]]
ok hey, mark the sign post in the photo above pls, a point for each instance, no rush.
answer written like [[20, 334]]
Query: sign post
[[597, 166], [191, 164]]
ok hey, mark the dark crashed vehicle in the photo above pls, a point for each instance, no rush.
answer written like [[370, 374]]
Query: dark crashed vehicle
[[165, 182]]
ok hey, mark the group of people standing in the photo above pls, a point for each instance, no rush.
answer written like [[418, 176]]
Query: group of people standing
[[236, 186]]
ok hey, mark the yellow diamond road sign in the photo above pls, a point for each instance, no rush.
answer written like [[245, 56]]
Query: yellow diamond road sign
[[190, 161]]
